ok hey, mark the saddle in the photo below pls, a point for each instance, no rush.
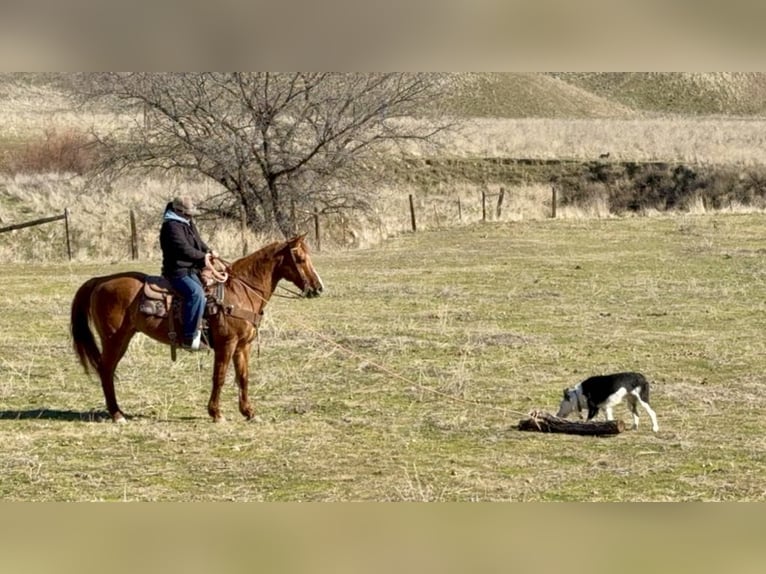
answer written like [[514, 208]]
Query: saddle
[[159, 299], [157, 296]]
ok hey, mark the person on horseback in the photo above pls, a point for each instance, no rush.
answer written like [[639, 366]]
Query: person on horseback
[[183, 257]]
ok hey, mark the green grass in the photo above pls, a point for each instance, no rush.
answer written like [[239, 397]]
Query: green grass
[[405, 381]]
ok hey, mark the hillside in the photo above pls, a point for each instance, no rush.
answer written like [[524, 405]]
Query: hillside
[[555, 95], [522, 95], [609, 94], [514, 94], [729, 93]]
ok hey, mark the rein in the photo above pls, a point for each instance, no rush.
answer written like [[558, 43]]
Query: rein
[[253, 317], [291, 293], [231, 310], [258, 291]]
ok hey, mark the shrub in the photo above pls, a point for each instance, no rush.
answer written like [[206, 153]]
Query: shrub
[[68, 151]]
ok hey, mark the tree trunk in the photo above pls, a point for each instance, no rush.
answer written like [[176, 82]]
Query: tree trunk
[[540, 421]]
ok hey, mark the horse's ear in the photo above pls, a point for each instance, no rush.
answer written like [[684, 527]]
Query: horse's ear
[[296, 240]]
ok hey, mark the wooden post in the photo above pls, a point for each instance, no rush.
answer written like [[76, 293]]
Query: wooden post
[[293, 221], [499, 210], [133, 236], [553, 201], [317, 237], [459, 211], [412, 215], [243, 228], [66, 232], [483, 205]]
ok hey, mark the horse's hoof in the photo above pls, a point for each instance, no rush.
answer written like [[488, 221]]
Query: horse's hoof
[[119, 418]]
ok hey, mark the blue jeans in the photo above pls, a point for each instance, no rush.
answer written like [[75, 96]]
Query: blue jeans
[[190, 288]]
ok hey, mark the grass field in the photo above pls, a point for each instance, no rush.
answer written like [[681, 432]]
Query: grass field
[[405, 381]]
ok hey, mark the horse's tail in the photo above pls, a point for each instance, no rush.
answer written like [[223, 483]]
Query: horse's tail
[[83, 341]]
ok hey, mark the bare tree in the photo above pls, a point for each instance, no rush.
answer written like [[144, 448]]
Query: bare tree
[[276, 142]]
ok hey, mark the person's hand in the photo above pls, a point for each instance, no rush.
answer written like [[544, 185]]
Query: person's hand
[[213, 254]]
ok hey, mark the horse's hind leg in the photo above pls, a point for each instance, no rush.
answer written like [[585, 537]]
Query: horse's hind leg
[[114, 349]]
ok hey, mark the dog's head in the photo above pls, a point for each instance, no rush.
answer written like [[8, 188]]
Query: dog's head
[[570, 403]]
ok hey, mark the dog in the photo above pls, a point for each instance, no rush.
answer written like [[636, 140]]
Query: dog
[[607, 391]]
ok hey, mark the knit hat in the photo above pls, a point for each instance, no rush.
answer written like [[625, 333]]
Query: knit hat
[[184, 206]]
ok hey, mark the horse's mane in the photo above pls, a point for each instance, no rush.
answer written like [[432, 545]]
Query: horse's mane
[[251, 261]]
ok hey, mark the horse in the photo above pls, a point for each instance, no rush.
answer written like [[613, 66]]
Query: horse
[[111, 304]]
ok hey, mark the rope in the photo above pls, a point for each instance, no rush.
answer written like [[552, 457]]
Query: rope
[[380, 367], [401, 377]]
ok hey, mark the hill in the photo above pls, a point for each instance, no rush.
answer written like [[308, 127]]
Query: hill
[[521, 95], [608, 94], [555, 95], [728, 93]]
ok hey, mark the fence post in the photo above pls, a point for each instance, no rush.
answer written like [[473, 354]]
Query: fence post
[[243, 228], [64, 216], [499, 210], [553, 201], [317, 238], [133, 236], [459, 211], [66, 232], [412, 215], [483, 205]]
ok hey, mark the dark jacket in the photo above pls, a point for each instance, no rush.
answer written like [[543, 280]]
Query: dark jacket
[[183, 251]]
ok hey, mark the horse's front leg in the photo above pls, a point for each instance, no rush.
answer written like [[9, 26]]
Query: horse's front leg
[[241, 366], [223, 355]]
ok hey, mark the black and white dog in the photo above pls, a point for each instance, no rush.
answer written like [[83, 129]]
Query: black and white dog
[[606, 391]]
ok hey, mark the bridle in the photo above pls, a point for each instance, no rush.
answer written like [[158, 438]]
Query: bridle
[[260, 293], [301, 273]]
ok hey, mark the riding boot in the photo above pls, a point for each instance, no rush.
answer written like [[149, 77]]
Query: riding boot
[[195, 344]]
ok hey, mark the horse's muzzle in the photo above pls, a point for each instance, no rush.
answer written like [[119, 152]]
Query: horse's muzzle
[[312, 292]]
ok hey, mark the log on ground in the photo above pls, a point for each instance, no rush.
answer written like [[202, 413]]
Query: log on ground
[[540, 421]]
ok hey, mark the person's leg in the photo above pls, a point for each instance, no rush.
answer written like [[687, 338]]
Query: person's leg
[[190, 288]]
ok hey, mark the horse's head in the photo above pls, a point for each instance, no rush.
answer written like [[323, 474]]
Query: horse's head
[[297, 267]]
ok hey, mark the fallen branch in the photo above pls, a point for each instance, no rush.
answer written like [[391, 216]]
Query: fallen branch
[[541, 421]]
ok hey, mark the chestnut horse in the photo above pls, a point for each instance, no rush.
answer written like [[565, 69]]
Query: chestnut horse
[[111, 305]]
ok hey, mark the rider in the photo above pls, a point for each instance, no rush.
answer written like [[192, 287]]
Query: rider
[[183, 257]]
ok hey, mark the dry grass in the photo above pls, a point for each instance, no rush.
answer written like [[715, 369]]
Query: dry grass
[[674, 139], [100, 218], [404, 382]]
